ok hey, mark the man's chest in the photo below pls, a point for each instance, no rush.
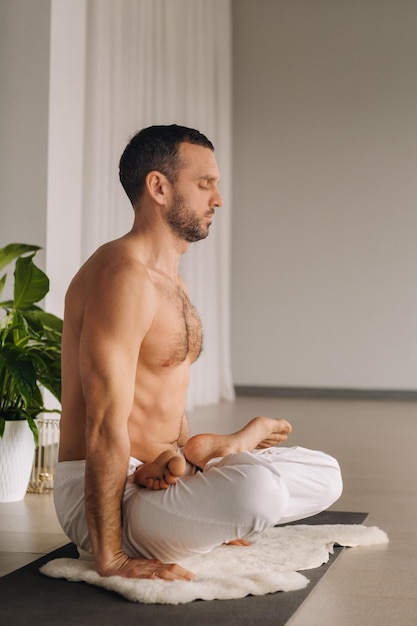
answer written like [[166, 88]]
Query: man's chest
[[176, 333]]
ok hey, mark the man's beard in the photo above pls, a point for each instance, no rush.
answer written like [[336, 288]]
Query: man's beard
[[184, 223]]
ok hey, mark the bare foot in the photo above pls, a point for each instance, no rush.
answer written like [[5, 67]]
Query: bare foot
[[238, 542], [162, 472], [260, 432]]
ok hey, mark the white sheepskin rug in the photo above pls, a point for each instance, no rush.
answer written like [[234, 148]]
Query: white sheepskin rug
[[269, 565]]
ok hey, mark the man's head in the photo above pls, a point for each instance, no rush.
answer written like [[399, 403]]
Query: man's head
[[155, 149]]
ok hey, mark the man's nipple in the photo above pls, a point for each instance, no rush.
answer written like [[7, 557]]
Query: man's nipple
[[169, 363]]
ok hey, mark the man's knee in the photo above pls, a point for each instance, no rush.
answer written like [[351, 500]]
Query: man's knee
[[333, 483], [324, 483], [260, 497]]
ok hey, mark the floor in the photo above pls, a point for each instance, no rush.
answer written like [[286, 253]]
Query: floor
[[375, 443]]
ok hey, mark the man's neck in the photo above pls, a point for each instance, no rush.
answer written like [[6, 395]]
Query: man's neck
[[158, 247]]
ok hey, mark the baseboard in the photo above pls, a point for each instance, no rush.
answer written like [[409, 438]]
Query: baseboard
[[403, 395]]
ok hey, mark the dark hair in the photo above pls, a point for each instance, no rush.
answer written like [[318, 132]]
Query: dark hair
[[155, 148]]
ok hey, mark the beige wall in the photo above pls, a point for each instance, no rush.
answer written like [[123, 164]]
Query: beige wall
[[42, 65], [24, 88], [325, 189]]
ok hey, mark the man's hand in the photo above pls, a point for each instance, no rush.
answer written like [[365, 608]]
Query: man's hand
[[145, 568]]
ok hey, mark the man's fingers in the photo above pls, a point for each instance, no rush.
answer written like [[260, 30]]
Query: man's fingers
[[152, 569], [172, 572]]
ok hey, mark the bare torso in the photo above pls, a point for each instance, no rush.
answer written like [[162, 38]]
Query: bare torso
[[168, 338]]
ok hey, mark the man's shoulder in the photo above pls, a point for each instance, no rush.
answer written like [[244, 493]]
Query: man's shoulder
[[114, 267], [116, 257]]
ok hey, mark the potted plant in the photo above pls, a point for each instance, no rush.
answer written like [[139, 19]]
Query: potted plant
[[30, 361]]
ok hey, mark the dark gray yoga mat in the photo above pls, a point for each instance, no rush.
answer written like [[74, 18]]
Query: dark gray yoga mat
[[27, 597]]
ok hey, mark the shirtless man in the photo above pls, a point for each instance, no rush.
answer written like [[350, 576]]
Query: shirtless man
[[130, 485]]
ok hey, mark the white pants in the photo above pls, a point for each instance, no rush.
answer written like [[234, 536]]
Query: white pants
[[238, 496]]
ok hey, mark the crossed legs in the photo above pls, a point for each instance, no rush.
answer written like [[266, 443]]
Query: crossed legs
[[235, 497], [259, 433]]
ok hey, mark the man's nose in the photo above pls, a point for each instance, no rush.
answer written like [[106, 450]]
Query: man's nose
[[218, 199]]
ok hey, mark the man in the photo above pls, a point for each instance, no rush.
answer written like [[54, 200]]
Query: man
[[130, 485]]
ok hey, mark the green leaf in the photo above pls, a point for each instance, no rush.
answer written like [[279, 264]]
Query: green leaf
[[30, 341], [2, 282], [22, 374], [31, 284], [47, 321], [2, 426], [33, 428], [12, 251], [54, 386]]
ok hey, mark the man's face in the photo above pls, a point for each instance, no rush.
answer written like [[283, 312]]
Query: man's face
[[195, 193]]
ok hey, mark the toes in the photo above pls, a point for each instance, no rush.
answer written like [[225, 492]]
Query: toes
[[169, 479]]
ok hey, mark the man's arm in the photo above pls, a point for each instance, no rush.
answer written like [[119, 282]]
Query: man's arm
[[118, 312]]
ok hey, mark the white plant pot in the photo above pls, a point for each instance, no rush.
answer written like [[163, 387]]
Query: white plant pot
[[17, 448]]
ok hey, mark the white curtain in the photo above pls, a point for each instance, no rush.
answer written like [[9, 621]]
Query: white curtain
[[162, 62]]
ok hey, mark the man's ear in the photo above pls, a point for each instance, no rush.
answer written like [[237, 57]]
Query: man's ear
[[158, 187]]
